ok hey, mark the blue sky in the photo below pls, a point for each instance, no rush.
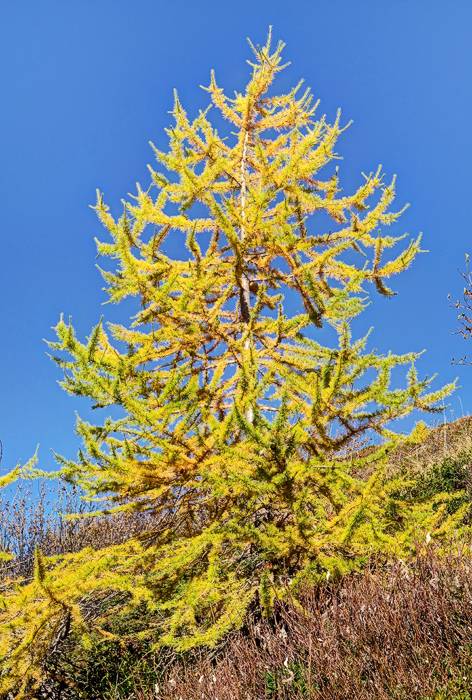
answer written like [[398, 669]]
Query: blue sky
[[86, 84]]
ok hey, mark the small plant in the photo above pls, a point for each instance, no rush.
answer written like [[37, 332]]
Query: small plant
[[290, 679]]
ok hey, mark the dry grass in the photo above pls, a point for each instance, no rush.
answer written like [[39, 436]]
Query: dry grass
[[399, 631], [444, 441], [33, 516]]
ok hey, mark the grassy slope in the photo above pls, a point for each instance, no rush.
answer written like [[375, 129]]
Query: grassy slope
[[402, 631]]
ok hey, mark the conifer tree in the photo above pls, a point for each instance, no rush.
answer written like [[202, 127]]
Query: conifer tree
[[239, 417]]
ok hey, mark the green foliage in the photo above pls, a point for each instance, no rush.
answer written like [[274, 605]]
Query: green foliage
[[238, 428], [450, 475], [459, 684], [290, 679], [112, 666], [445, 485]]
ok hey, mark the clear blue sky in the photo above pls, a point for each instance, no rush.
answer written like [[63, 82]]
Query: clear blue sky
[[86, 84]]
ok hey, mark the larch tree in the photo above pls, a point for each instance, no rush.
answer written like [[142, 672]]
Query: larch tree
[[239, 424]]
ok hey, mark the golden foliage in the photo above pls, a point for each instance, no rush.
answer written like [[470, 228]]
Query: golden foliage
[[238, 429]]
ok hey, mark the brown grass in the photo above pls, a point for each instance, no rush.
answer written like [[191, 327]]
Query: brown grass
[[398, 632], [36, 516], [445, 440]]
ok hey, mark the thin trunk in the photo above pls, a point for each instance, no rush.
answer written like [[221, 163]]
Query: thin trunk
[[244, 296]]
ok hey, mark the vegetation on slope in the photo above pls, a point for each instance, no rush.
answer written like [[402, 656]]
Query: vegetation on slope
[[244, 452], [394, 630]]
